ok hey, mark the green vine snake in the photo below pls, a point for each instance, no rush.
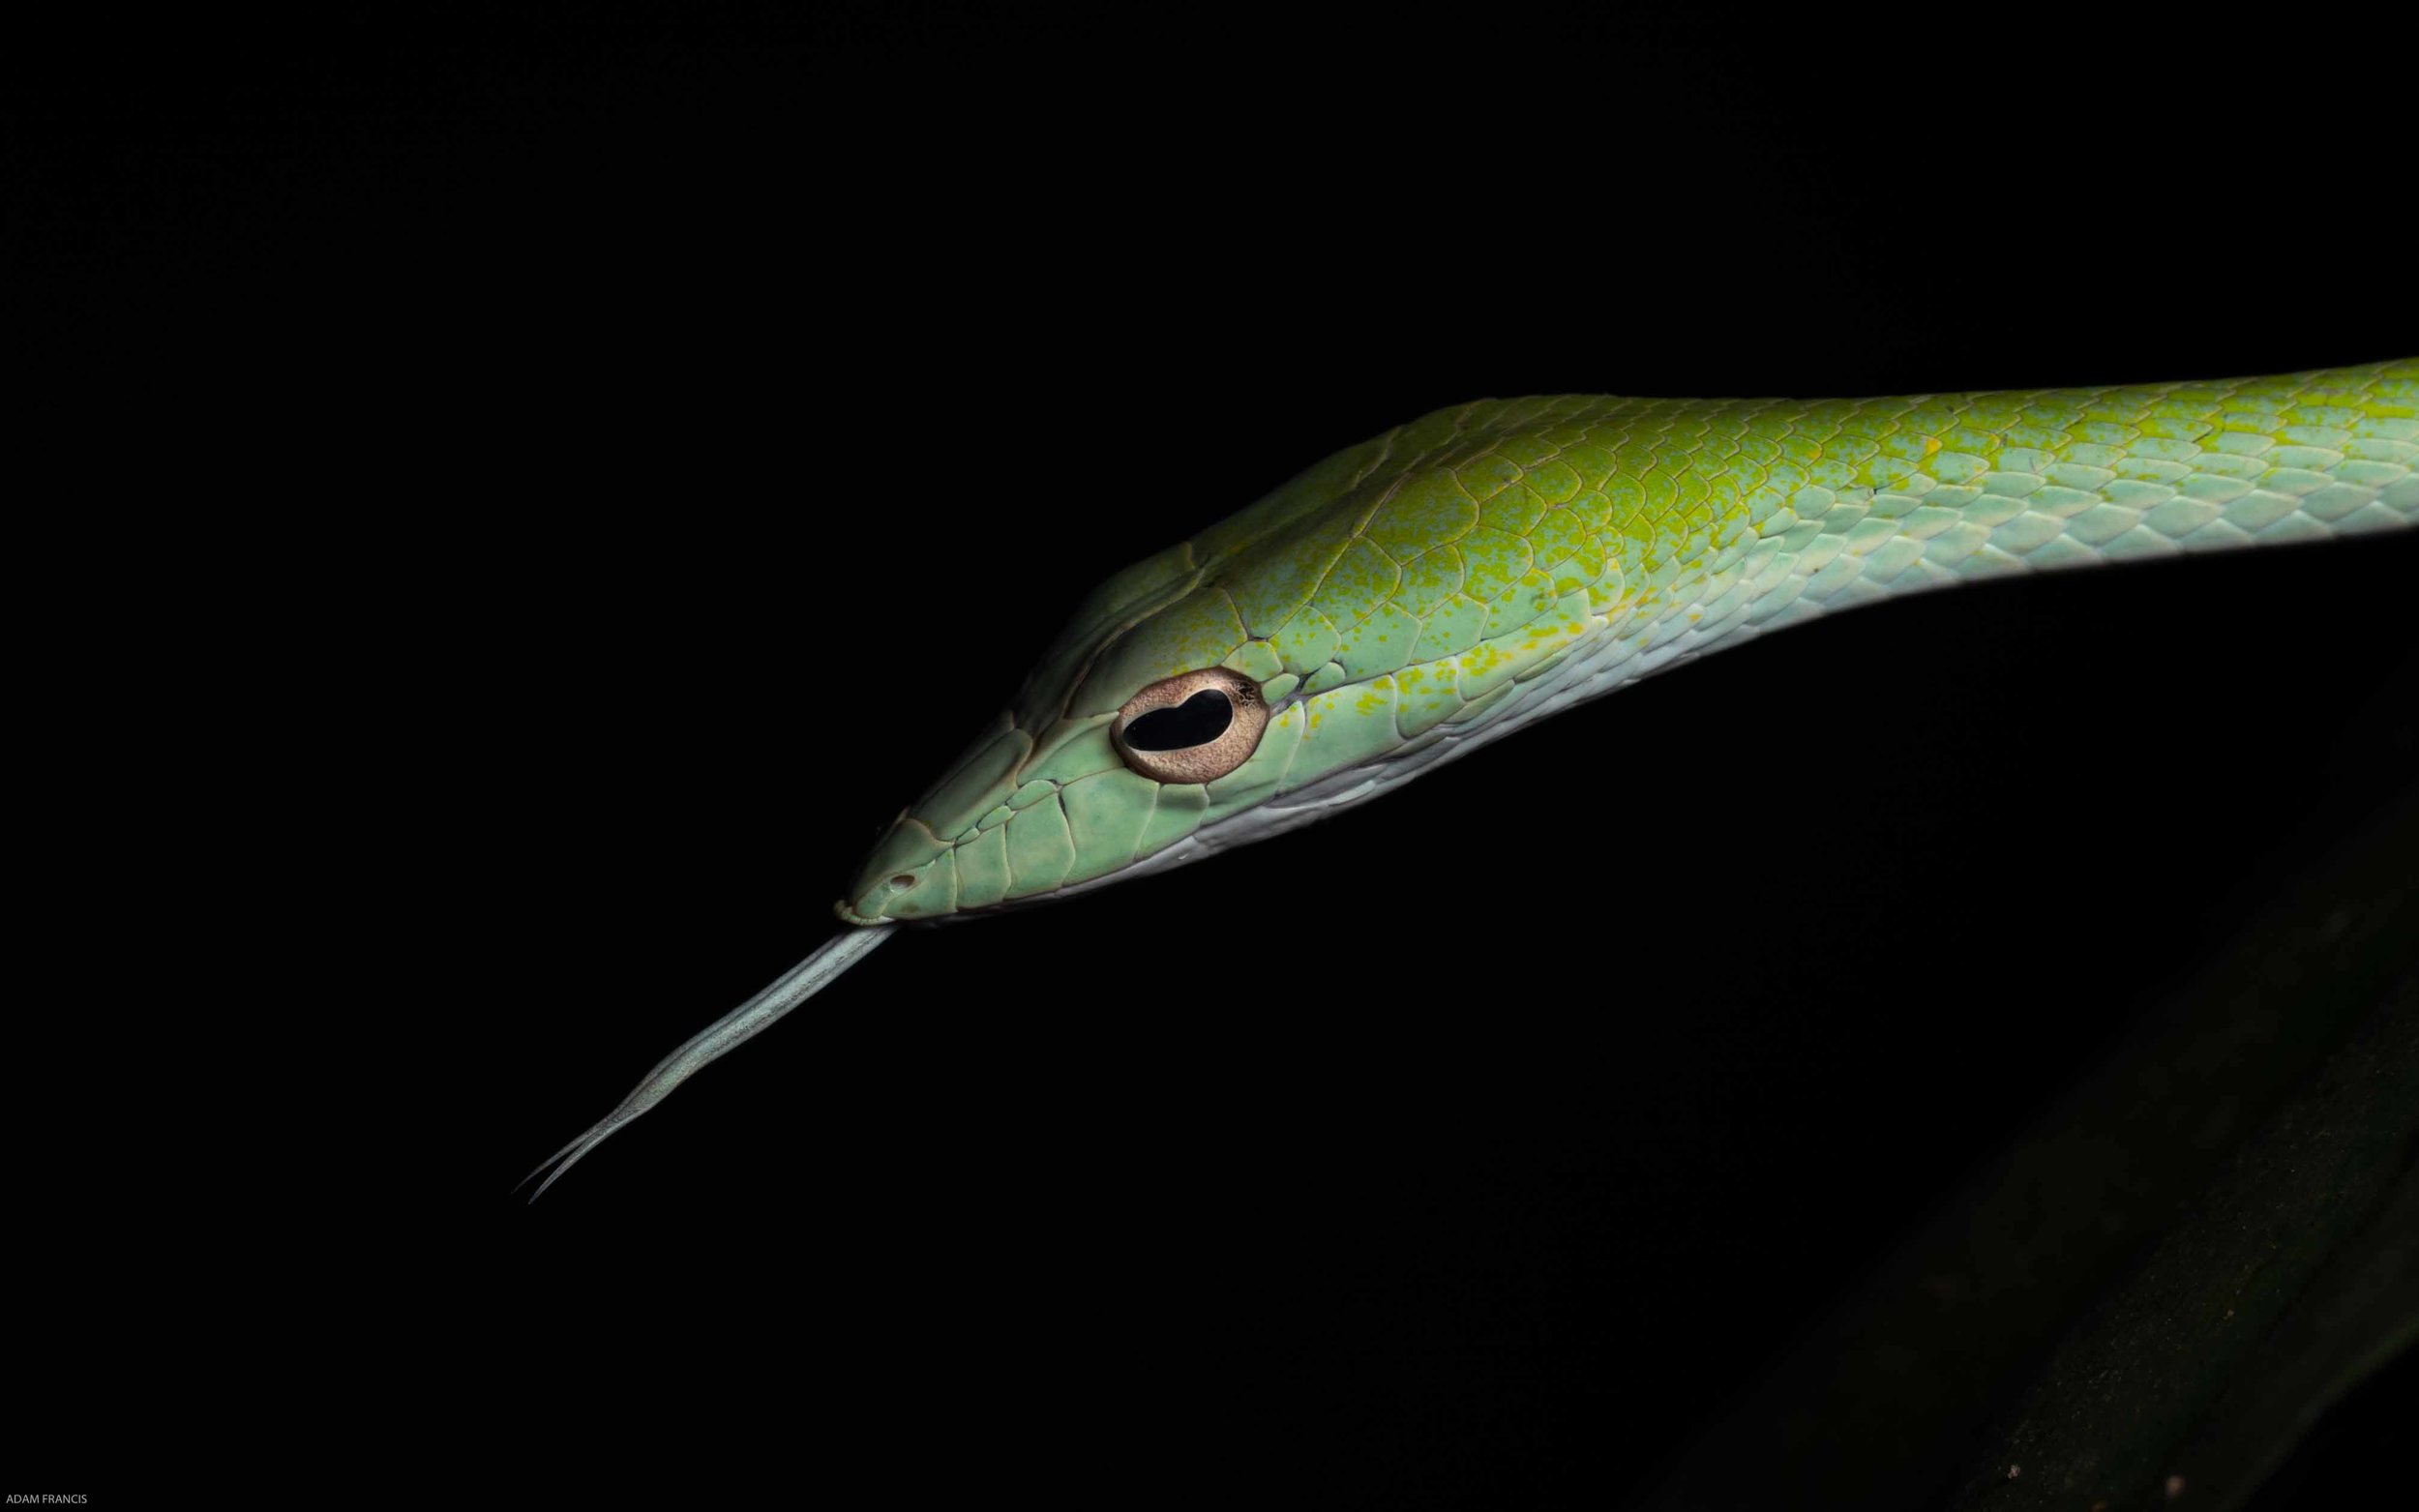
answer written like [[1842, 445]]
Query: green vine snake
[[1413, 597]]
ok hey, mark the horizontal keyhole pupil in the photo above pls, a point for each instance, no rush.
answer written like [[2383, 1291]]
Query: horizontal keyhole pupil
[[1195, 722]]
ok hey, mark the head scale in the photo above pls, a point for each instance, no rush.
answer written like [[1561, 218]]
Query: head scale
[[1250, 679]]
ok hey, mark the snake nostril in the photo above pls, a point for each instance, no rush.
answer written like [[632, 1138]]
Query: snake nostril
[[901, 882]]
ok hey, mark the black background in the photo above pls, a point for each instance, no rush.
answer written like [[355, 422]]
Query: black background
[[716, 417]]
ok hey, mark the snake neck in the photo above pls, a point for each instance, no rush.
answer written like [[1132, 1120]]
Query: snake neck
[[2008, 483], [1805, 508], [1730, 518]]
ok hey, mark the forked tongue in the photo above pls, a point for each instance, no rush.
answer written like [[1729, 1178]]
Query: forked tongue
[[719, 1039]]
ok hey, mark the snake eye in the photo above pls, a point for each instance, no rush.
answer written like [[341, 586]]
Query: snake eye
[[1194, 727]]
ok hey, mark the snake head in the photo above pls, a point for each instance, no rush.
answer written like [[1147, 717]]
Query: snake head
[[1362, 620], [1150, 696]]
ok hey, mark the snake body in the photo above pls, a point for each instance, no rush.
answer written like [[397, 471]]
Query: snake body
[[1411, 597]]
